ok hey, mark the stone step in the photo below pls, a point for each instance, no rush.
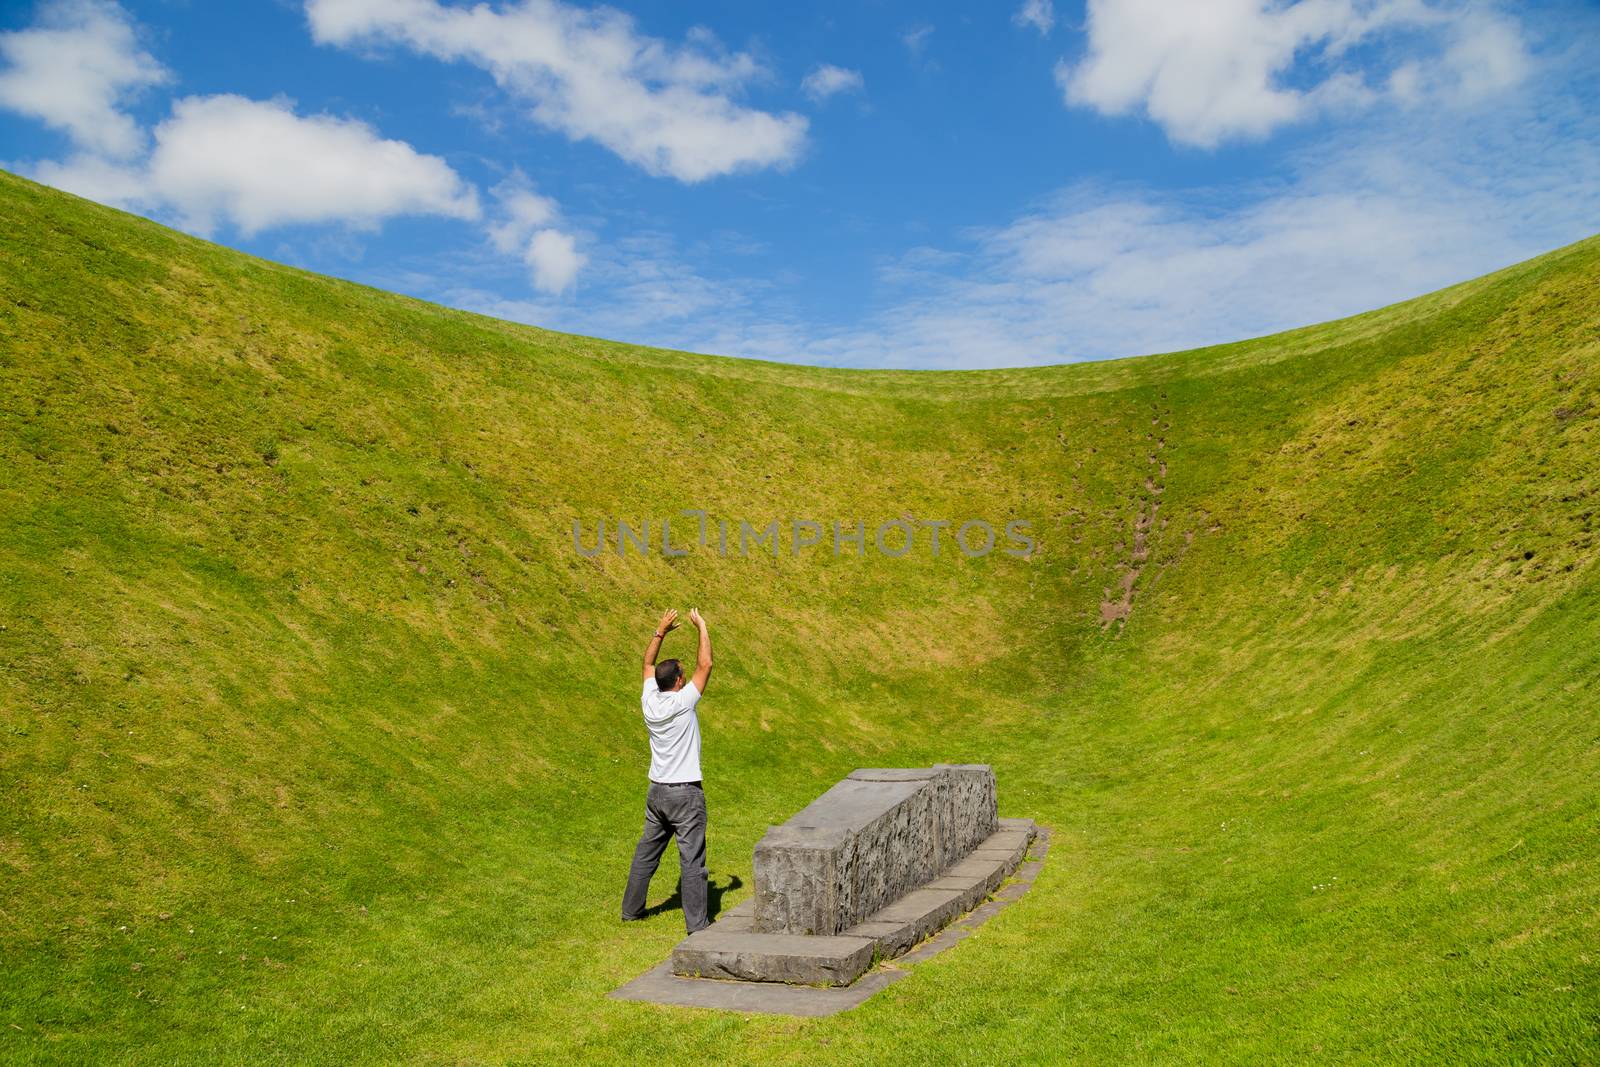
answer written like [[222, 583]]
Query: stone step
[[795, 958], [739, 918], [916, 915], [730, 949]]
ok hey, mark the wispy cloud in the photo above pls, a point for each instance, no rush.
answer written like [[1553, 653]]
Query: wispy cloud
[[916, 39], [75, 69], [1210, 73], [1036, 14], [1366, 218], [524, 224], [640, 287], [828, 80], [589, 73]]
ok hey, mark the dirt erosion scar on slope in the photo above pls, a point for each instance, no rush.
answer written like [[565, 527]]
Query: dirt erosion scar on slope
[[1148, 528]]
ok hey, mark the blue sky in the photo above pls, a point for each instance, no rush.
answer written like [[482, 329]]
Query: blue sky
[[863, 184]]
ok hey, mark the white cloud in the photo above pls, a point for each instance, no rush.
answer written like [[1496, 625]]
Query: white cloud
[[256, 164], [1040, 14], [1369, 216], [522, 211], [554, 259], [916, 38], [1410, 200], [1485, 55], [1219, 71], [591, 75], [105, 181], [1101, 271], [525, 227], [828, 80], [74, 69]]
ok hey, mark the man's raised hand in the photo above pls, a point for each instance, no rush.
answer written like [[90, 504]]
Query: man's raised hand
[[702, 667], [669, 619]]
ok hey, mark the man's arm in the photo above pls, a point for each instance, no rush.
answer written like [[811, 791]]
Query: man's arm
[[702, 668], [669, 621]]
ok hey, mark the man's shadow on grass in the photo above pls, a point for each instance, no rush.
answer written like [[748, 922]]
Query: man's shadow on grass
[[713, 898]]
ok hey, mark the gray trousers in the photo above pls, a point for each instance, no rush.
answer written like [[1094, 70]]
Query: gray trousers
[[677, 810]]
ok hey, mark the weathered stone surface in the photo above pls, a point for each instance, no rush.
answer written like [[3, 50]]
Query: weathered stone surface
[[753, 957], [971, 814], [1010, 854], [919, 914], [892, 937], [972, 887], [866, 842], [801, 883], [924, 910], [980, 861], [1007, 838], [739, 923], [660, 986], [898, 774], [877, 864]]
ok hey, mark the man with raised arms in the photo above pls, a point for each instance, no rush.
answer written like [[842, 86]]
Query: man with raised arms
[[675, 804]]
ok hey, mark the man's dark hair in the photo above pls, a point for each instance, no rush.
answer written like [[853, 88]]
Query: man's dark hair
[[668, 671]]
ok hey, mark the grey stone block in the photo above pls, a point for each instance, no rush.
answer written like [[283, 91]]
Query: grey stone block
[[802, 879], [985, 863], [972, 814], [754, 957], [867, 841]]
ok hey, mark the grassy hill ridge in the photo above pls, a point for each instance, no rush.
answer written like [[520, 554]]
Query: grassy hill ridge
[[298, 656]]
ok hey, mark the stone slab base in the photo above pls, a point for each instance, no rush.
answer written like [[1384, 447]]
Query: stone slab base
[[660, 986], [753, 957], [734, 950]]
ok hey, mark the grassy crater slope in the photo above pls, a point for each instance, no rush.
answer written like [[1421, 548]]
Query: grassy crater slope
[[319, 741]]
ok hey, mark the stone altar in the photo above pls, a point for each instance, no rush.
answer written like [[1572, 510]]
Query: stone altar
[[878, 863], [868, 841]]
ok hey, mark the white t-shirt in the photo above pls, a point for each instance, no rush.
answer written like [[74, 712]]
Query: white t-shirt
[[674, 732]]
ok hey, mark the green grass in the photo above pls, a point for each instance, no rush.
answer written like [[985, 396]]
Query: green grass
[[319, 742]]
